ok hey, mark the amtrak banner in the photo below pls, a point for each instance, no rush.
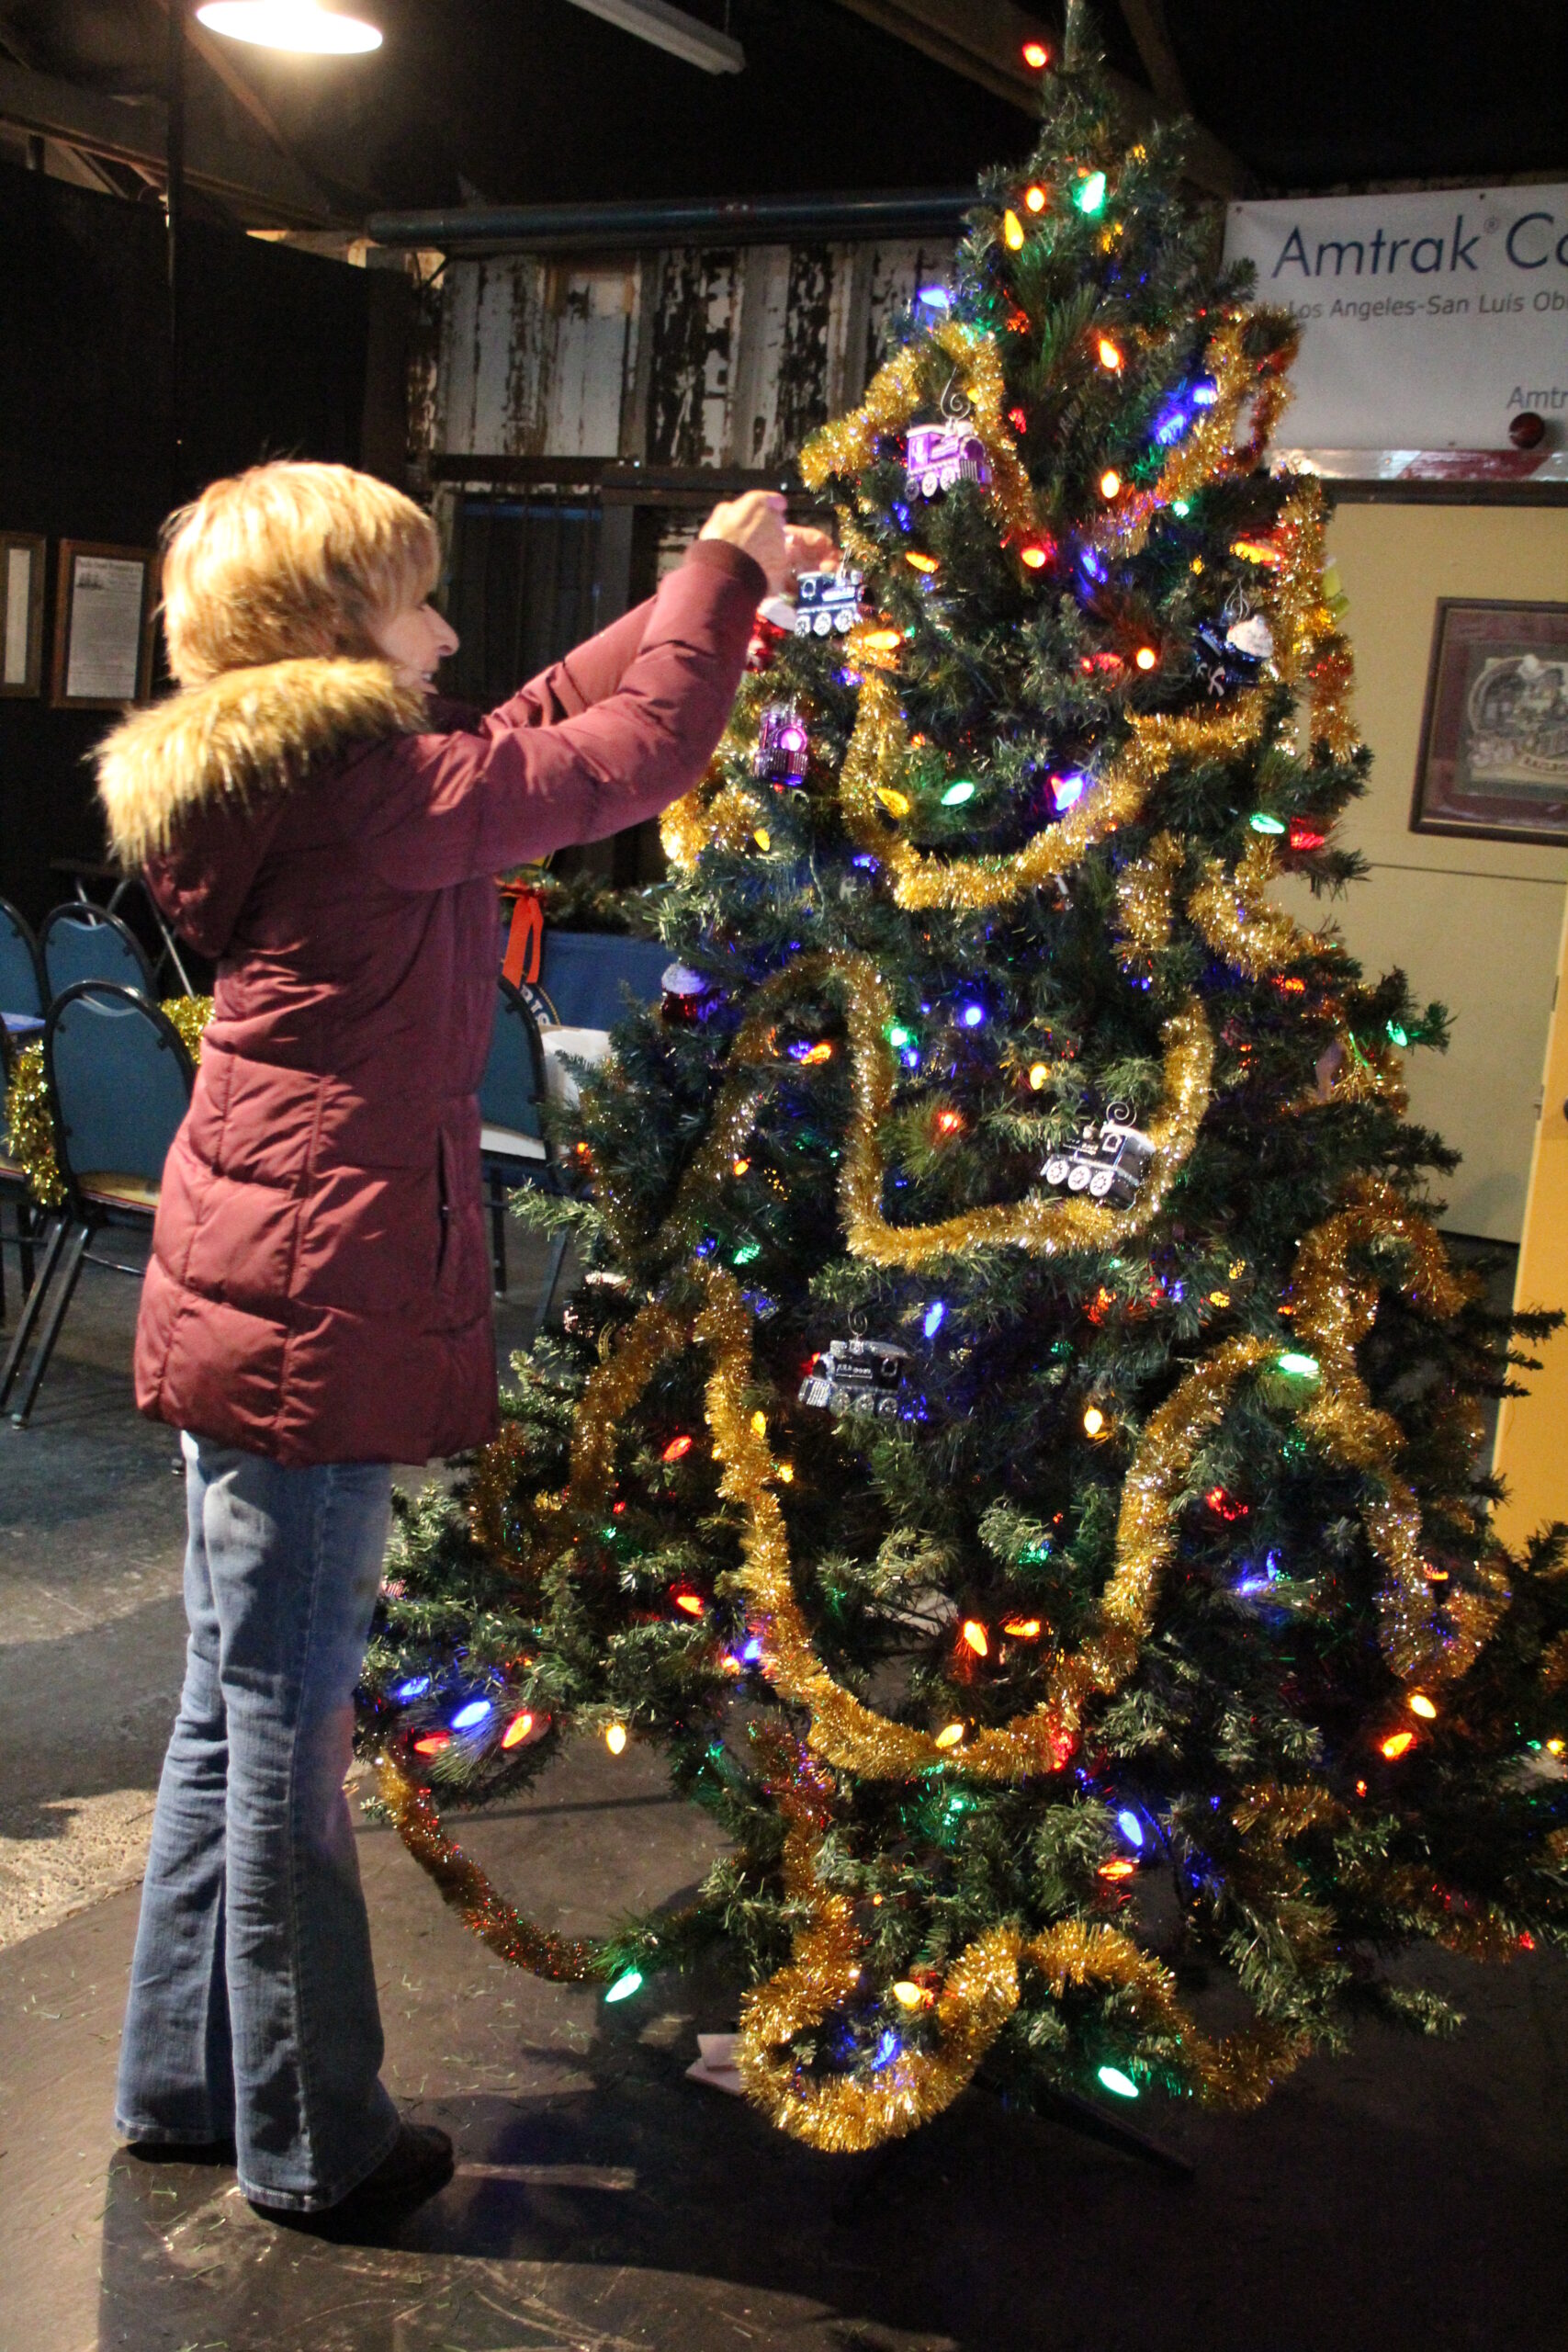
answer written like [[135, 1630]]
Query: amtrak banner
[[1428, 322]]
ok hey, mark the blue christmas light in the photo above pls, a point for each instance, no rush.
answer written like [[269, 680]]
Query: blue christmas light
[[1089, 563], [864, 860], [473, 1713], [1132, 1828], [888, 2047], [1066, 790], [910, 1057], [972, 1015], [1205, 393], [413, 1689], [934, 298], [752, 1652], [936, 1315], [1170, 424]]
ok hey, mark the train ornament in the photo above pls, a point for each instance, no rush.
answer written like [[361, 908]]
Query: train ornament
[[860, 1377], [1106, 1159], [826, 602], [782, 753], [938, 455]]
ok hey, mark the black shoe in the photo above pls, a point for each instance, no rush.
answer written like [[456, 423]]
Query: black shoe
[[419, 2162], [181, 2152]]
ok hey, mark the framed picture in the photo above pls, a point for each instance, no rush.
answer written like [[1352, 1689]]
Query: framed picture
[[1494, 758], [103, 626], [21, 613]]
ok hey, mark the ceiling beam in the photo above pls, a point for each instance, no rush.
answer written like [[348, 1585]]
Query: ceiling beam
[[983, 39], [214, 54], [264, 189], [1144, 20]]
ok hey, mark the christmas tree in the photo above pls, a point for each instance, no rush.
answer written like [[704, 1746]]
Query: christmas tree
[[1015, 1444]]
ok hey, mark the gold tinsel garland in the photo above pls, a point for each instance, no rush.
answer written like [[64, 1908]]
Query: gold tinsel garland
[[879, 748], [1044, 1223], [843, 2114], [31, 1128], [1228, 909]]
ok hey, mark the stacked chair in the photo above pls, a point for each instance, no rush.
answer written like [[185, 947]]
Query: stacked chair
[[118, 1081], [21, 992], [513, 1145]]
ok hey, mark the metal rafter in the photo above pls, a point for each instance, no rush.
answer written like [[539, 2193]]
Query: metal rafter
[[983, 39]]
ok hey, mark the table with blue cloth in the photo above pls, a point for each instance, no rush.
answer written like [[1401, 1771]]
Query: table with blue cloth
[[586, 975]]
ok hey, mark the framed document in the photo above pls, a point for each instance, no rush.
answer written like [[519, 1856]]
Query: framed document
[[103, 626], [21, 613], [1494, 757]]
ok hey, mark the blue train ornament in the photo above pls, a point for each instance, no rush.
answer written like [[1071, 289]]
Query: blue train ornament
[[826, 602]]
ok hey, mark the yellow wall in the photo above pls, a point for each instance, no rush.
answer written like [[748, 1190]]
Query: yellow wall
[[1475, 924]]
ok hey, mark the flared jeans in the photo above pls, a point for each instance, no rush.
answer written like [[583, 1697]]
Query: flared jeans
[[252, 2010]]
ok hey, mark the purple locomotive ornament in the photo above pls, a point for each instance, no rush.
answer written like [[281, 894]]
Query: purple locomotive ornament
[[782, 753], [937, 456]]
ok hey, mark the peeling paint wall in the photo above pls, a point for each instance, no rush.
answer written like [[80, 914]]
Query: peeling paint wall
[[691, 356]]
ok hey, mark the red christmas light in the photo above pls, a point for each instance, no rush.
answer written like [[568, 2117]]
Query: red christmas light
[[677, 1449], [692, 1602], [1225, 1505], [1036, 56], [1304, 835]]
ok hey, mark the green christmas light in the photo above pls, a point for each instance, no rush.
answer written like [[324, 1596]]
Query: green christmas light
[[899, 1036], [1089, 193], [957, 794], [625, 1986], [747, 1251], [1262, 822], [1400, 1036], [1299, 1366], [1182, 506], [1115, 2080]]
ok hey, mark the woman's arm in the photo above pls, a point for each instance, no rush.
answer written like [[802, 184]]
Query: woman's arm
[[592, 671], [425, 811]]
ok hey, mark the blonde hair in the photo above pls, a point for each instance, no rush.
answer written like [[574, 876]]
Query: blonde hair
[[289, 559]]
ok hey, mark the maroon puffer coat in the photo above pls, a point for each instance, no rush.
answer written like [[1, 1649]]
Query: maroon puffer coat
[[319, 1289]]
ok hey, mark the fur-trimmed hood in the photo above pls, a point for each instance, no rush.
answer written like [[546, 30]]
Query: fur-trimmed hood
[[236, 741]]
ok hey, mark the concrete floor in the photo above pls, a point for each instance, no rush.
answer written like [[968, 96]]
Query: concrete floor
[[1408, 2199]]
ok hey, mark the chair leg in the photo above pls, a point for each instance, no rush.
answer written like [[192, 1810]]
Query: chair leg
[[498, 1233], [554, 1262], [29, 1314], [25, 1242], [63, 1296]]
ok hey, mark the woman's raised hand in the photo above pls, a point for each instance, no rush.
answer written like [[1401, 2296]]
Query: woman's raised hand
[[755, 523]]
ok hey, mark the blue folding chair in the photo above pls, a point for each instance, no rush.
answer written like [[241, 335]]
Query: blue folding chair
[[513, 1146], [79, 942], [14, 1185], [119, 1082], [21, 974]]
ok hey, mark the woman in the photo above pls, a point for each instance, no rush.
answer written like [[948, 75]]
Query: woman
[[317, 1305]]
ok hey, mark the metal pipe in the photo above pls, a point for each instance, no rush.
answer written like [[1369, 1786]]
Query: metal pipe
[[741, 221]]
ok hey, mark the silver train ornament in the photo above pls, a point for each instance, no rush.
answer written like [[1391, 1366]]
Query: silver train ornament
[[826, 602], [1107, 1160], [858, 1376]]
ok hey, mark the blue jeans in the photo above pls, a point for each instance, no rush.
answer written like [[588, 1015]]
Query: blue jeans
[[253, 1999]]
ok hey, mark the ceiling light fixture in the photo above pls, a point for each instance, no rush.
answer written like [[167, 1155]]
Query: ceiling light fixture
[[302, 25], [671, 28]]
